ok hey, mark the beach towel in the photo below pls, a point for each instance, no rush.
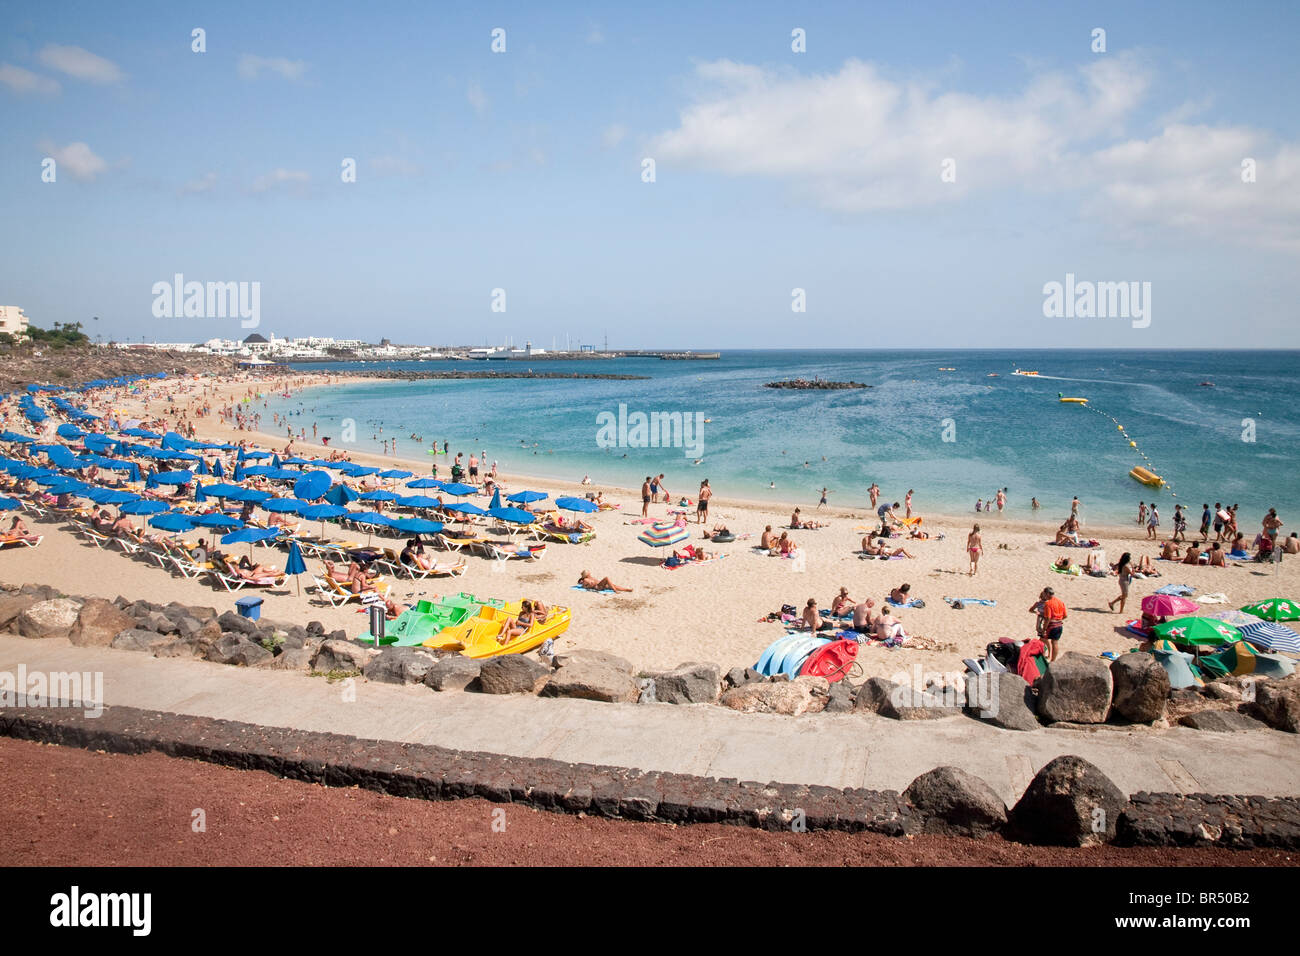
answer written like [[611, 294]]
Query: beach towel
[[1181, 590], [1213, 599], [1027, 665], [579, 587], [962, 602], [1076, 570], [914, 602]]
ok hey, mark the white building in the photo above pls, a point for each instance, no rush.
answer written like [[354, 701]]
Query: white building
[[12, 320]]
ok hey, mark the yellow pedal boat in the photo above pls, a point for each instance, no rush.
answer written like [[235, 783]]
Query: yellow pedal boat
[[478, 636], [1146, 477]]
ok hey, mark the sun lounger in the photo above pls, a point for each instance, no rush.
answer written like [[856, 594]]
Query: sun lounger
[[31, 541], [338, 595], [453, 543], [506, 551], [94, 537]]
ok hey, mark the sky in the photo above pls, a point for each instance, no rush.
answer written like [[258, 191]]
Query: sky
[[921, 172]]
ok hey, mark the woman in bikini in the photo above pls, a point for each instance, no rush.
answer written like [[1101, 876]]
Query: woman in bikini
[[1125, 579], [842, 603], [588, 581], [973, 547]]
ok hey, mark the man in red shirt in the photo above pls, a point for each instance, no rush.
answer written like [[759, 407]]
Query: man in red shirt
[[1051, 620]]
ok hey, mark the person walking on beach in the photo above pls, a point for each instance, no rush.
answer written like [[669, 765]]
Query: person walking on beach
[[1153, 522], [908, 502], [645, 497], [973, 547], [1125, 579], [1142, 513], [1074, 507], [1206, 517], [1180, 524], [1002, 500], [702, 508], [874, 491]]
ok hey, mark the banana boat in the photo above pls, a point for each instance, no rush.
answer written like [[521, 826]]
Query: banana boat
[[1146, 477], [1075, 401]]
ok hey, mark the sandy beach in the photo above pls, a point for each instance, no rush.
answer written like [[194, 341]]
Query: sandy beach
[[713, 611]]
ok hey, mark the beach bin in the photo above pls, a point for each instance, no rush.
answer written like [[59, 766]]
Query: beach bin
[[377, 623], [249, 607]]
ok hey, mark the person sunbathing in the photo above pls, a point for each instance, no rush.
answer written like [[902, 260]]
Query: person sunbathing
[[410, 556], [881, 550], [863, 619], [18, 531], [718, 529], [901, 594], [842, 604], [1066, 537], [1193, 555], [541, 611], [102, 521], [517, 626], [250, 570], [1094, 563], [1216, 556], [918, 534], [355, 581], [123, 526], [1239, 543], [797, 522], [587, 580], [768, 540], [811, 618], [886, 627], [1063, 563], [1170, 551], [1146, 567]]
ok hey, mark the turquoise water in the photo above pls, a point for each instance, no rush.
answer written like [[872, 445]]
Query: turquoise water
[[1009, 431]]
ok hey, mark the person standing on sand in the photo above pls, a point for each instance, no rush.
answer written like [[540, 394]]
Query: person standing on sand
[[702, 508], [974, 545], [1180, 524], [1125, 579], [1153, 522], [1051, 620], [1205, 522], [645, 497], [1142, 513], [1074, 507], [1002, 500], [825, 492], [663, 489], [908, 500], [874, 491]]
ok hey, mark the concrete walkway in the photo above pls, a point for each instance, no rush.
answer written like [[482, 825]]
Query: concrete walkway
[[839, 750]]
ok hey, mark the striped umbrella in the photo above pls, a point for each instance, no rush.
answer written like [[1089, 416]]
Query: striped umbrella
[[1272, 637], [664, 535]]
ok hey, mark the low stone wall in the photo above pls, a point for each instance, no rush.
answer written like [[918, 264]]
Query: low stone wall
[[1069, 802]]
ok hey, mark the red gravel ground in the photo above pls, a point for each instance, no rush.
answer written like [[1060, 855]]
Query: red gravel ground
[[69, 807]]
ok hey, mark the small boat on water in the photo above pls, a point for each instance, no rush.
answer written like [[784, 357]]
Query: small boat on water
[[1073, 401], [1207, 385], [1023, 372], [1146, 477]]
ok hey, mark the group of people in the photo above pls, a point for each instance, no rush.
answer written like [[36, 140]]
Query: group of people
[[866, 620]]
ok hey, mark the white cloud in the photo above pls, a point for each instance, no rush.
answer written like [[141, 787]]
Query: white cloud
[[250, 66], [81, 64], [293, 178], [477, 98], [19, 80], [76, 159], [856, 140], [204, 184], [613, 134], [1189, 178]]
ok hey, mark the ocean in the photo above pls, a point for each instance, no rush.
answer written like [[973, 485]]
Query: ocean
[[953, 436]]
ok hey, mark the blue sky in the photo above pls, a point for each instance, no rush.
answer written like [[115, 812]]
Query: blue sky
[[775, 170]]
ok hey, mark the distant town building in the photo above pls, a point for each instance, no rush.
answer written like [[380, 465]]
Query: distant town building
[[13, 321]]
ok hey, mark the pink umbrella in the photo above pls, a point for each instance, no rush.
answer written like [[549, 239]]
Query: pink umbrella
[[1168, 605]]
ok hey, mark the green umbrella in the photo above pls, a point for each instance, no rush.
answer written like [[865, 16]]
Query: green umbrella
[[1274, 609], [1197, 630]]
